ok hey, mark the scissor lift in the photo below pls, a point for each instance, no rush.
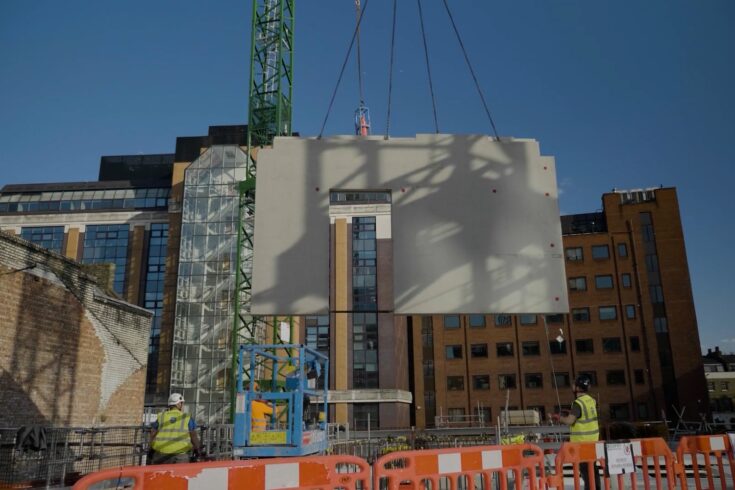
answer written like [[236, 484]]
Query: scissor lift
[[291, 374]]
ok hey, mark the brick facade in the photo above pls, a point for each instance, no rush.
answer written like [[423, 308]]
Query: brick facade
[[70, 354]]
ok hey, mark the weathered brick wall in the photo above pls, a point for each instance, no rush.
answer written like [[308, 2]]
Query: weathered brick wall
[[69, 354]]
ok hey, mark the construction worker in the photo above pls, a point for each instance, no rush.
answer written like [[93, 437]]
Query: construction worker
[[174, 434], [582, 421], [260, 412]]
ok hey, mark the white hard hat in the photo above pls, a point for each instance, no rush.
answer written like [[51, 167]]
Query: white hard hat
[[175, 399]]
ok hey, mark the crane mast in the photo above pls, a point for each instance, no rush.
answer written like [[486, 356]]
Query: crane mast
[[362, 113]]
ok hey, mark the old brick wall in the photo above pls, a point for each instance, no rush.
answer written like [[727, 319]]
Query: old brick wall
[[69, 354]]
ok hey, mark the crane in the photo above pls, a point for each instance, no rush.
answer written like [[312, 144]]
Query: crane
[[362, 113]]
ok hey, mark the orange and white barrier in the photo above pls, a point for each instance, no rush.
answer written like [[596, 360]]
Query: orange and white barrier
[[520, 464], [652, 465], [706, 454], [312, 472]]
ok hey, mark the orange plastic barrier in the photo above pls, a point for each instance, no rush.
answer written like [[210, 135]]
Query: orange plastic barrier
[[703, 452], [656, 466], [308, 473], [501, 467]]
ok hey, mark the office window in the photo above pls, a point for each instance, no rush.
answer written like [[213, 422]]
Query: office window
[[365, 350], [660, 325], [153, 295], [108, 244], [502, 320], [507, 381], [504, 349], [477, 321], [317, 332], [48, 237], [656, 293], [619, 411], [711, 386], [455, 383], [651, 261], [451, 321], [581, 314], [483, 414], [603, 282], [531, 348], [638, 376], [534, 380], [481, 382], [600, 252], [456, 414], [592, 375], [635, 344], [584, 346], [608, 313], [428, 366], [625, 280], [454, 351], [562, 380], [556, 347], [577, 283], [365, 415], [616, 377], [630, 312], [643, 410], [557, 318], [427, 331], [724, 386], [478, 350], [574, 253], [612, 344], [527, 319], [622, 250], [364, 264]]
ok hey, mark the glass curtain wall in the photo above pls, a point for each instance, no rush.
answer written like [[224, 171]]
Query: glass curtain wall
[[206, 283], [108, 244], [153, 295], [48, 237]]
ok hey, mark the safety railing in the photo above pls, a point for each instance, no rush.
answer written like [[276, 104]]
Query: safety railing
[[501, 467], [313, 472], [709, 459]]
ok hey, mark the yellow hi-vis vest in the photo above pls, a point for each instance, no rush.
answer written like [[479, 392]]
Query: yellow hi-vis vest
[[173, 433], [586, 427]]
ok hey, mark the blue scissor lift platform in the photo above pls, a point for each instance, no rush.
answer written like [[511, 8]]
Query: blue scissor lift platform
[[291, 373]]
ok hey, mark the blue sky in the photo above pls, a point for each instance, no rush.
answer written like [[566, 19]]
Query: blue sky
[[624, 94]]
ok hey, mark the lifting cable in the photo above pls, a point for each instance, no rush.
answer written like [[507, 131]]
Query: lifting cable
[[390, 69], [472, 71], [358, 13], [551, 361], [428, 67], [342, 70]]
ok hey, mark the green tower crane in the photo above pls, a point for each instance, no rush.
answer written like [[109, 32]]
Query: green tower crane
[[269, 115]]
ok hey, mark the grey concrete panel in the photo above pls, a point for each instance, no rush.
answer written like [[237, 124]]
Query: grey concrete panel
[[475, 222]]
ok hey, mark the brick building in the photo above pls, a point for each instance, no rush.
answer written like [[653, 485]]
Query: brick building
[[71, 352], [632, 328]]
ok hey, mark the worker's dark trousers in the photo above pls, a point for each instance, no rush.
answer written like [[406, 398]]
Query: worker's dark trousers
[[584, 474]]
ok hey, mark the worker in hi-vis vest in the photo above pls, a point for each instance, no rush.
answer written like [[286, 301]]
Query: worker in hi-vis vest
[[260, 412], [174, 434], [582, 422]]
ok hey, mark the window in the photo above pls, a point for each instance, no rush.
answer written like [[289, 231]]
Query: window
[[603, 282], [630, 312], [556, 347], [622, 250], [456, 414], [48, 237], [711, 386], [612, 344], [507, 381], [108, 244], [478, 350], [562, 380], [574, 253], [660, 325], [724, 385], [638, 376], [581, 314], [534, 380], [502, 320], [504, 349], [477, 321], [454, 351], [366, 415], [600, 252], [616, 377], [635, 344], [481, 382], [527, 319], [427, 332], [484, 414], [651, 263], [577, 283], [625, 279], [364, 350], [608, 313], [455, 383], [428, 368], [592, 375], [558, 318], [585, 346], [619, 411], [531, 348], [451, 321], [364, 260], [643, 410]]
